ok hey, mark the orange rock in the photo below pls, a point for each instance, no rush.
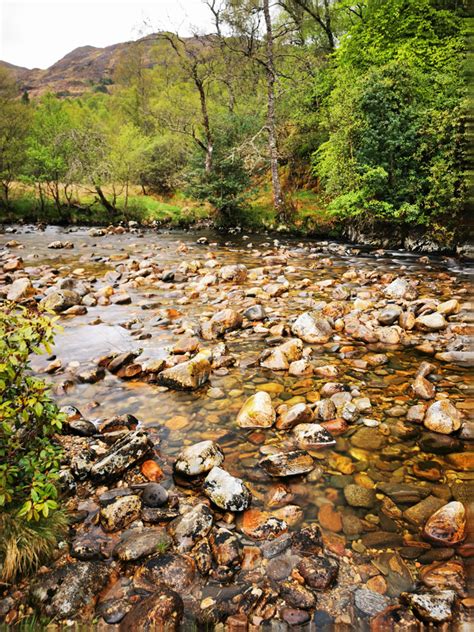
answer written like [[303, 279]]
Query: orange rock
[[330, 518], [177, 423], [378, 584], [335, 543], [152, 471]]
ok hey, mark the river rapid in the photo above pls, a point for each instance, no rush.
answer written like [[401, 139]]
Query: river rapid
[[372, 489]]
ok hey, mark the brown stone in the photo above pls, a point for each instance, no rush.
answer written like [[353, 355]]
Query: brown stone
[[330, 518]]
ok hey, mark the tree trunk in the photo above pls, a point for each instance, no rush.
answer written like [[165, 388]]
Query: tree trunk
[[6, 193], [205, 122], [278, 200], [104, 201]]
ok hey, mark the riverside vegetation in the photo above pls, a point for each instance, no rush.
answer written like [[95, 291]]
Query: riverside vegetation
[[251, 433], [301, 115]]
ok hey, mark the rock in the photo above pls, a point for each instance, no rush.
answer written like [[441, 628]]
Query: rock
[[447, 526], [416, 413], [461, 461], [120, 513], [308, 436], [199, 458], [137, 543], [431, 322], [449, 307], [442, 417], [226, 548], [312, 328], [382, 540], [444, 575], [318, 572], [389, 315], [121, 456], [237, 273], [91, 375], [326, 409], [187, 376], [368, 439], [19, 289], [226, 491], [154, 495], [403, 492], [221, 323], [80, 427], [300, 367], [175, 571], [276, 360], [330, 518], [419, 513], [297, 414], [307, 541], [57, 245], [188, 344], [161, 611], [297, 596], [369, 603], [400, 288], [358, 496], [64, 592], [432, 607], [255, 312], [287, 463], [423, 388], [261, 525], [294, 617], [257, 412], [59, 300], [191, 526]]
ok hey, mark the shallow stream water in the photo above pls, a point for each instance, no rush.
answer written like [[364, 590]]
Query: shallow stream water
[[178, 418]]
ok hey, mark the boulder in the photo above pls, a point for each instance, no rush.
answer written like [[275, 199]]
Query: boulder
[[222, 322], [442, 417], [191, 526], [120, 512], [257, 412], [60, 300], [137, 543], [312, 328], [199, 458], [19, 289], [431, 322], [121, 456], [187, 376], [226, 491]]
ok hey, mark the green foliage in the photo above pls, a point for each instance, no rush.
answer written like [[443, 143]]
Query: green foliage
[[29, 455], [394, 116], [225, 185]]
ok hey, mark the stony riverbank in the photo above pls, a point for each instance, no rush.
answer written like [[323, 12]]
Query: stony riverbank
[[259, 434]]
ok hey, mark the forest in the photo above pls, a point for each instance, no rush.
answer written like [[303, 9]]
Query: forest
[[299, 115]]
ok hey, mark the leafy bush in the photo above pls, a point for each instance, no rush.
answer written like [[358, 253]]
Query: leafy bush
[[29, 455]]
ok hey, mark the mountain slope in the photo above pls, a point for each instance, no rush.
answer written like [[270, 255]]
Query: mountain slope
[[81, 70]]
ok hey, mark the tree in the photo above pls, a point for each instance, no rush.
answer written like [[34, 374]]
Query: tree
[[49, 149], [15, 119]]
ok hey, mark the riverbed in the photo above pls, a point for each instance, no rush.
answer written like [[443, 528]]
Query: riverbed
[[379, 541]]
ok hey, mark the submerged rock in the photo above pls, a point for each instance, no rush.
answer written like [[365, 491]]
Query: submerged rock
[[435, 607], [312, 436], [257, 412], [287, 463], [226, 491], [261, 525], [319, 572], [199, 458]]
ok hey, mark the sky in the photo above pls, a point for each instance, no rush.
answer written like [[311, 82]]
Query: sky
[[37, 33]]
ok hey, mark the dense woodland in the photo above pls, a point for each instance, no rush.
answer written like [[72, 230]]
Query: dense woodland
[[359, 106]]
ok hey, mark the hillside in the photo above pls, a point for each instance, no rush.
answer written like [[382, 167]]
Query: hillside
[[83, 69]]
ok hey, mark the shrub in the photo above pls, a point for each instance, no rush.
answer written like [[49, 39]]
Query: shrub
[[29, 455]]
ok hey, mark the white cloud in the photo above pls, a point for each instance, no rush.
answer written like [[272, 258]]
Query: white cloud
[[36, 33]]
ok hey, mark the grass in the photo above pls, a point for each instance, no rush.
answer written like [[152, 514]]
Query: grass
[[25, 545], [307, 216]]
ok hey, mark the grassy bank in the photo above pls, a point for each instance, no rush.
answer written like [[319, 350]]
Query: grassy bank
[[307, 216]]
